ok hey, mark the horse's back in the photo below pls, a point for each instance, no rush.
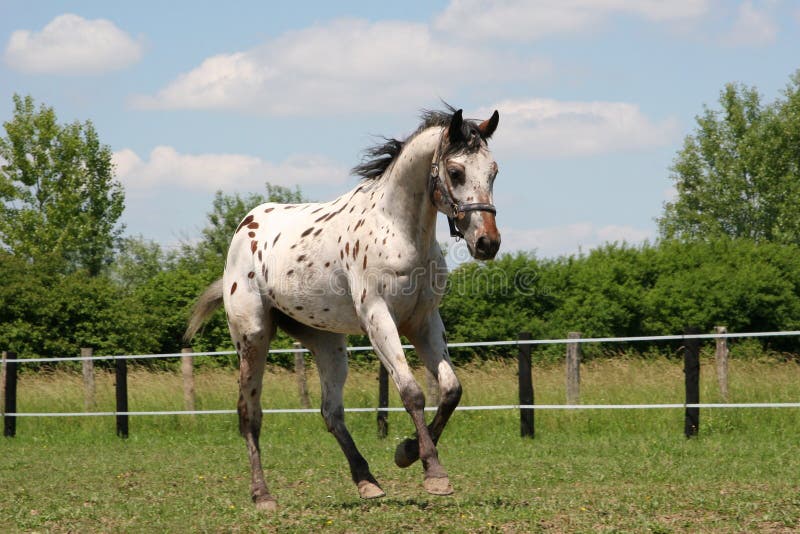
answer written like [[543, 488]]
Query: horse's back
[[287, 253]]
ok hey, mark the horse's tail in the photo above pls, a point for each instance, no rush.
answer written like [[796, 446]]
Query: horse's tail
[[209, 301]]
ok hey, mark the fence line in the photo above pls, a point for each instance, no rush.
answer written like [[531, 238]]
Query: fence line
[[526, 405], [427, 409], [514, 342]]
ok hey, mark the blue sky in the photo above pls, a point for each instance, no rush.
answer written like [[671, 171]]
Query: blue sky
[[595, 96]]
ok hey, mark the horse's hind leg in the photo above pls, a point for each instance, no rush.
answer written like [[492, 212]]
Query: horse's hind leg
[[251, 329], [330, 354]]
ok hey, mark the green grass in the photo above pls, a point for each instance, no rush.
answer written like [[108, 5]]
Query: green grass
[[585, 471]]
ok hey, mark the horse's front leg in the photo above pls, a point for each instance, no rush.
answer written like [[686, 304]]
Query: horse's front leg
[[382, 331], [430, 341]]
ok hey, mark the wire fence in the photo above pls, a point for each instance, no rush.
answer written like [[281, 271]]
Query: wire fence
[[382, 409], [513, 342]]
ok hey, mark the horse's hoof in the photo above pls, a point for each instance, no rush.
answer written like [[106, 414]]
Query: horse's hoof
[[369, 490], [406, 453], [438, 486], [267, 504]]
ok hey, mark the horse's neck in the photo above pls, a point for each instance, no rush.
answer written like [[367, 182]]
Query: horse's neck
[[405, 188]]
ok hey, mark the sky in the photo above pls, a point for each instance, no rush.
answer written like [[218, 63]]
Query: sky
[[595, 96]]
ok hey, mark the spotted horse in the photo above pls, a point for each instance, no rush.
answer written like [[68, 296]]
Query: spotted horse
[[367, 262]]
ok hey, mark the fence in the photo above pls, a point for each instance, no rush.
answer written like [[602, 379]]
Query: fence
[[691, 349]]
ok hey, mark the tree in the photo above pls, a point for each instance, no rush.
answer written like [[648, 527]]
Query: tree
[[59, 202], [737, 175]]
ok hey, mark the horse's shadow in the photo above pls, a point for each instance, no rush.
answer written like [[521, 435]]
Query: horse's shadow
[[422, 503]]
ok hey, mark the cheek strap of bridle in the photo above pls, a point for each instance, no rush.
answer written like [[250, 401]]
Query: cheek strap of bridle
[[441, 195]]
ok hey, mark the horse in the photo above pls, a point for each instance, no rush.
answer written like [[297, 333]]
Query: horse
[[369, 263]]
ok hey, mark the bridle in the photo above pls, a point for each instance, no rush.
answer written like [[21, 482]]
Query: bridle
[[440, 191]]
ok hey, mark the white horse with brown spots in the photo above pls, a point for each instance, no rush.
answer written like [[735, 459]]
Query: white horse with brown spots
[[367, 262]]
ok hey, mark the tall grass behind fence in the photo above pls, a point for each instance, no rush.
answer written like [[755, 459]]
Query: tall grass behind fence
[[162, 391]]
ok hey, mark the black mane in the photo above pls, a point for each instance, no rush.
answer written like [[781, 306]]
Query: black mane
[[378, 158]]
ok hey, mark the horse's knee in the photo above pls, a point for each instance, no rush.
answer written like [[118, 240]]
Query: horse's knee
[[412, 396], [451, 394], [449, 386]]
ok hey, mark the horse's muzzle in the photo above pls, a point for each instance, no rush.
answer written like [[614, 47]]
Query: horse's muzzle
[[486, 248]]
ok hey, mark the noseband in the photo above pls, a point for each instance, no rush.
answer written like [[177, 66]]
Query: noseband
[[440, 191]]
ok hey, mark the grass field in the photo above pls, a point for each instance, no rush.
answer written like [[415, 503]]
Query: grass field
[[587, 471]]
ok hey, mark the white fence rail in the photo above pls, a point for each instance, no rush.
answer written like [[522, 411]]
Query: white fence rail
[[514, 342], [524, 344]]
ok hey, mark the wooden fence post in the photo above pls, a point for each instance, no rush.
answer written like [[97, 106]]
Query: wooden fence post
[[573, 368], [122, 396], [300, 373], [721, 359], [187, 373], [10, 394], [691, 367], [526, 428], [3, 383], [383, 401], [88, 379]]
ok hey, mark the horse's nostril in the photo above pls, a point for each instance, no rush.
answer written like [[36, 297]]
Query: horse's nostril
[[486, 248]]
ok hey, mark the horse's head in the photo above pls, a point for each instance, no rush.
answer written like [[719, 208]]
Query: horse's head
[[462, 176]]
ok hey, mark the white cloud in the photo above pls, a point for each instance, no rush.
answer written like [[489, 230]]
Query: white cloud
[[571, 238], [345, 66], [70, 44], [209, 172], [753, 26], [546, 128], [522, 20]]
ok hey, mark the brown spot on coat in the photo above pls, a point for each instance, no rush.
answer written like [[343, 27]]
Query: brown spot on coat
[[276, 239], [247, 220], [253, 246], [327, 264], [268, 210], [347, 248], [317, 232], [251, 275], [305, 233], [363, 295], [355, 249], [251, 234], [253, 225], [233, 288], [365, 261], [301, 257]]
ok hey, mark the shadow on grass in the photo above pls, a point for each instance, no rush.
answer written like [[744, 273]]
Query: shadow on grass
[[425, 504]]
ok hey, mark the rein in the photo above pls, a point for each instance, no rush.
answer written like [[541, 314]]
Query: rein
[[440, 191]]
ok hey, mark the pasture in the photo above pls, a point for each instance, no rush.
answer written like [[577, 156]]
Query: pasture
[[585, 471]]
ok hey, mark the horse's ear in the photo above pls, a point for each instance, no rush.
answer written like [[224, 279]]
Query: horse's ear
[[454, 131], [488, 126]]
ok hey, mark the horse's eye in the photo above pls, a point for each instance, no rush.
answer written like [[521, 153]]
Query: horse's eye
[[456, 175]]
